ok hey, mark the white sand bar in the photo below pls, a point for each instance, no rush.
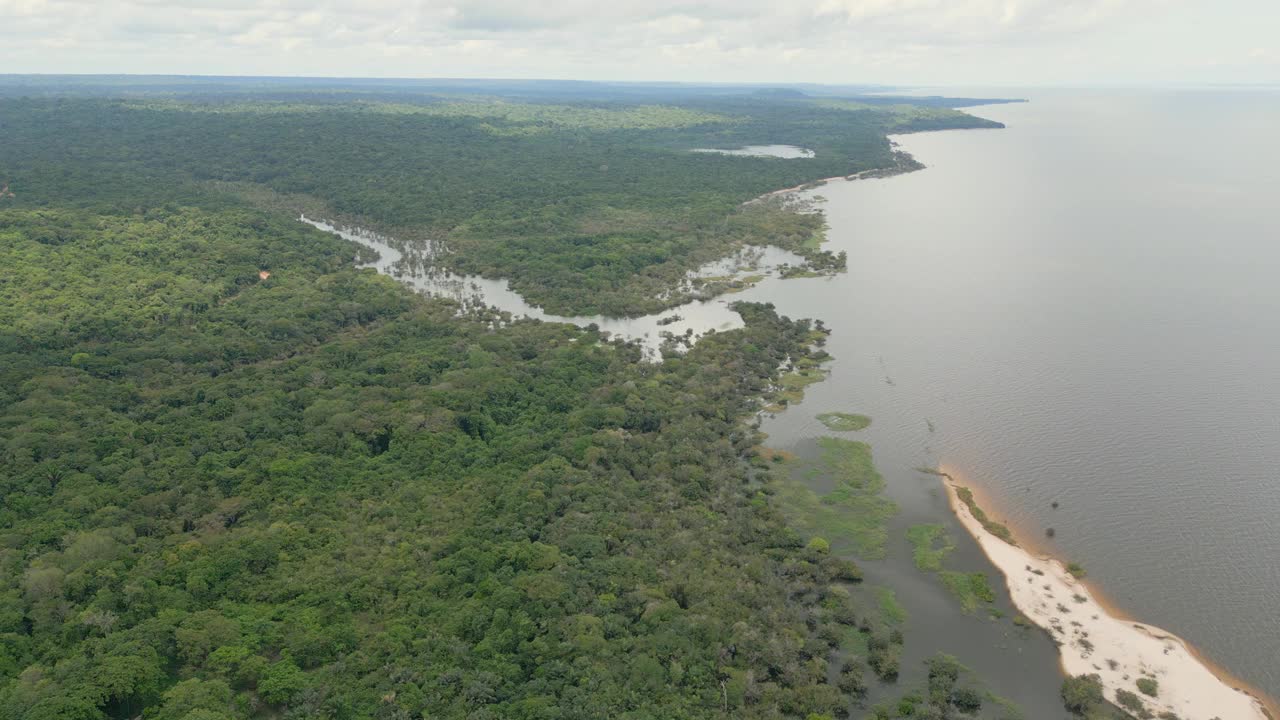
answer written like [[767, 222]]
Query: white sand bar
[[1092, 641]]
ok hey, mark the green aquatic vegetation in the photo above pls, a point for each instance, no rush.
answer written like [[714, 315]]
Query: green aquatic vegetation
[[1076, 569], [890, 608], [844, 422], [793, 384], [930, 546], [853, 514], [970, 589], [948, 692]]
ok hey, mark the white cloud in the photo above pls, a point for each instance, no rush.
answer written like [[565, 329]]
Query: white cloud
[[1265, 55], [974, 41]]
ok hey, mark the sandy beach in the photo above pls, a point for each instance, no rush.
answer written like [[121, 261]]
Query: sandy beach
[[1094, 640]]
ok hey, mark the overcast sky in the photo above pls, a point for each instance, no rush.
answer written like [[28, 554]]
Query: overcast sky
[[838, 41]]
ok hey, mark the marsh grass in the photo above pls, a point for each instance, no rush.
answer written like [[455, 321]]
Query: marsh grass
[[970, 589], [890, 608], [794, 383], [851, 512], [930, 546], [844, 422]]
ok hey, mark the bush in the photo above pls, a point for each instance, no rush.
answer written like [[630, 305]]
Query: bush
[[1128, 700], [819, 546], [1148, 686], [1082, 693], [966, 700], [883, 657]]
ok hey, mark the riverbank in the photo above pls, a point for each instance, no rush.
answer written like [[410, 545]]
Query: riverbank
[[1094, 639], [903, 163]]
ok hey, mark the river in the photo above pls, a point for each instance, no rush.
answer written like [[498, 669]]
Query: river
[[1081, 308], [1076, 310]]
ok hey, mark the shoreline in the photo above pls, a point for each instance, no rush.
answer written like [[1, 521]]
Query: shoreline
[[1093, 633], [905, 163]]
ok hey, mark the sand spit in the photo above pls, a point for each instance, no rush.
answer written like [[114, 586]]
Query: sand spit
[[1091, 640]]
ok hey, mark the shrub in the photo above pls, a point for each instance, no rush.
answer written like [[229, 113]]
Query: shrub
[[1076, 569], [1082, 693], [1148, 686], [1128, 700], [819, 546], [966, 700]]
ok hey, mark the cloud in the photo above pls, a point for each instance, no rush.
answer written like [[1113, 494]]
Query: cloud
[[1269, 56], [824, 40]]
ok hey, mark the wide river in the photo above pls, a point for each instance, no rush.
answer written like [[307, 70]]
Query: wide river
[[1081, 309]]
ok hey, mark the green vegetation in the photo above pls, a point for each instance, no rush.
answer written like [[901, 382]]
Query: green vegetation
[[1082, 693], [844, 422], [991, 526], [1129, 701], [1076, 569], [241, 479], [587, 207], [892, 610], [930, 546], [853, 515], [905, 118], [944, 696], [320, 491], [1082, 697], [1148, 686], [969, 588], [512, 118]]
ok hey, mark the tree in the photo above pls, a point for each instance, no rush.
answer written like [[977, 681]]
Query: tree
[[1082, 693], [281, 681], [193, 695], [202, 633]]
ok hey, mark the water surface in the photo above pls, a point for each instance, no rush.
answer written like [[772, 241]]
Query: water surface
[[788, 152], [1082, 308]]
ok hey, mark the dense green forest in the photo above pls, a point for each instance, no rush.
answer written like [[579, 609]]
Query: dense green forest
[[587, 208], [240, 478]]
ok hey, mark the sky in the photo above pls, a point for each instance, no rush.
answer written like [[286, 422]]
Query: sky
[[922, 42]]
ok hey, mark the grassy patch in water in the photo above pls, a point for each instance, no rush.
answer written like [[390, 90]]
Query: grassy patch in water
[[890, 608], [844, 422], [852, 515], [771, 455], [930, 546], [969, 588]]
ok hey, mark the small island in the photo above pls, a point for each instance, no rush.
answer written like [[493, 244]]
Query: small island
[[844, 422]]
